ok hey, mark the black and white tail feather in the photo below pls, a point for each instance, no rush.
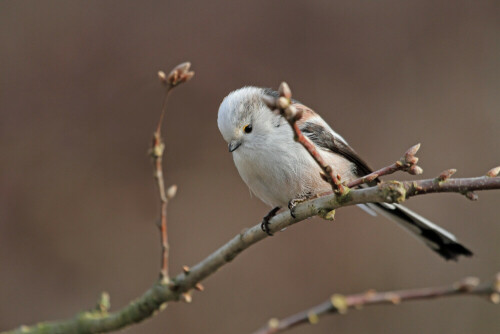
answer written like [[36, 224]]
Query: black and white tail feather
[[438, 239]]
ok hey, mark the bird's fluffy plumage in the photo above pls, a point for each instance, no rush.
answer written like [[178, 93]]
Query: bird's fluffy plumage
[[277, 169]]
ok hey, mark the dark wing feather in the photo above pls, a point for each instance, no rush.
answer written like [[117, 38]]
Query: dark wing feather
[[325, 139]]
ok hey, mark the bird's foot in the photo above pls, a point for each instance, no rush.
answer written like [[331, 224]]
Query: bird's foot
[[265, 221], [293, 203]]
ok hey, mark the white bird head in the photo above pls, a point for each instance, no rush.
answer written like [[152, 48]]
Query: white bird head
[[245, 121]]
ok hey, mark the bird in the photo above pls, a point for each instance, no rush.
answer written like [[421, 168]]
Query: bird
[[280, 172]]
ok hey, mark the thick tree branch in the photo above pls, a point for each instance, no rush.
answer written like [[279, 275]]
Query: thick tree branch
[[339, 304], [97, 321]]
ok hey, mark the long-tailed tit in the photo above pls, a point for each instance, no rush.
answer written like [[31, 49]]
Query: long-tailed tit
[[279, 170]]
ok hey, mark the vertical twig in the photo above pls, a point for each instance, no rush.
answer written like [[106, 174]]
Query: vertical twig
[[177, 76]]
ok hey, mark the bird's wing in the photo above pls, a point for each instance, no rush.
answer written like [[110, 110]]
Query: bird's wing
[[320, 133]]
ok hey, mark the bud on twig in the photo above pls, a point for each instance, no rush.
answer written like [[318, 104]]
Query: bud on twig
[[172, 190], [282, 103], [285, 90], [472, 196], [494, 172], [180, 74], [412, 151], [445, 175], [163, 77]]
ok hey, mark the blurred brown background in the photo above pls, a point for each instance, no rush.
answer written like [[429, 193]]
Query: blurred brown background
[[79, 98]]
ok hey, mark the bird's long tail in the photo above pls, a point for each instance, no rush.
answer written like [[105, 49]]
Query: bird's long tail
[[438, 239]]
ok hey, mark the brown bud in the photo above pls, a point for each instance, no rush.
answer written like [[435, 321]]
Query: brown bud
[[412, 151], [445, 175], [415, 170], [494, 172], [472, 196], [186, 269], [199, 287], [285, 91], [180, 74], [412, 160]]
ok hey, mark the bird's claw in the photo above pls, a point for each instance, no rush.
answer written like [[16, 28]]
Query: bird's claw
[[265, 221], [293, 203]]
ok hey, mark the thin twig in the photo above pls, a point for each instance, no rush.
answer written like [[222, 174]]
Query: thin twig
[[407, 163], [284, 105], [177, 76], [339, 304]]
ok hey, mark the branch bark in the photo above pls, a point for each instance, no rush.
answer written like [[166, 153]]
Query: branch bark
[[339, 304], [154, 299]]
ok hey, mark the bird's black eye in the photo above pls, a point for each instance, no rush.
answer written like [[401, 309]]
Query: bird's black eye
[[247, 128]]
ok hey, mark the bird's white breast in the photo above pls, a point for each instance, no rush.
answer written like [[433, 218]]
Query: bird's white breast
[[283, 170]]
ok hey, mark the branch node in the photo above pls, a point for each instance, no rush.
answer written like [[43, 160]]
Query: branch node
[[393, 298], [312, 318], [340, 303], [186, 269], [273, 323], [104, 303], [327, 214], [467, 284], [393, 191], [471, 195], [162, 307]]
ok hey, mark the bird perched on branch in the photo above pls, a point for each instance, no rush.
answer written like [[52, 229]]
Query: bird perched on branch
[[279, 171]]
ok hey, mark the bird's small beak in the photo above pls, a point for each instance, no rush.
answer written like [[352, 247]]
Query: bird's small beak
[[233, 145]]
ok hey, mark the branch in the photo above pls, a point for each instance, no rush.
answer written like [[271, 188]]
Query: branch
[[339, 304], [154, 299], [408, 163]]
